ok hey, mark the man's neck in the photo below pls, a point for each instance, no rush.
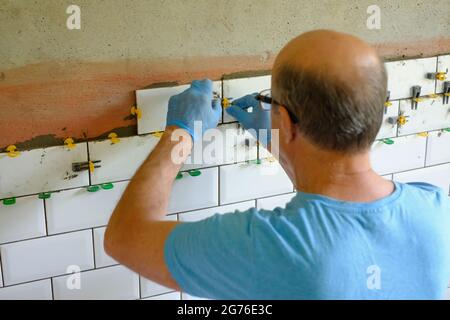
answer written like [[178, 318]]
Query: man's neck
[[343, 177]]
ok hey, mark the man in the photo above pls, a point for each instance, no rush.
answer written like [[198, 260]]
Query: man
[[347, 234]]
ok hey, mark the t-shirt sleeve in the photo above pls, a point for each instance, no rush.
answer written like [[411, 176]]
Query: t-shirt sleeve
[[212, 258]]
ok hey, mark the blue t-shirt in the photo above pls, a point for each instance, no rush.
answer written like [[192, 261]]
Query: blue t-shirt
[[317, 247]]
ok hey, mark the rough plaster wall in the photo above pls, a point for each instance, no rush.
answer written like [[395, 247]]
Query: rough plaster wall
[[56, 83]]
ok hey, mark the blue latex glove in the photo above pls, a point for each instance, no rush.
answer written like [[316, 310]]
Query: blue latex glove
[[253, 121], [195, 104]]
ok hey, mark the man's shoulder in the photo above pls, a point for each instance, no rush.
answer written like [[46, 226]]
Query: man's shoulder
[[425, 189], [433, 195], [422, 186]]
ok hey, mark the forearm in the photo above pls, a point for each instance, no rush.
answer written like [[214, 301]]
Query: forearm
[[136, 232], [147, 194]]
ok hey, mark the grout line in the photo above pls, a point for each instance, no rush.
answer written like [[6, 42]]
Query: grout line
[[93, 248], [48, 236], [419, 168], [52, 288], [218, 186], [1, 273], [160, 294], [139, 286], [23, 283], [45, 217], [52, 191], [62, 275]]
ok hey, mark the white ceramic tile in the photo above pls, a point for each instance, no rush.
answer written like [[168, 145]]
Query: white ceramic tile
[[406, 153], [271, 203], [101, 258], [120, 160], [37, 290], [185, 296], [23, 220], [264, 153], [404, 74], [45, 257], [431, 114], [387, 129], [42, 170], [229, 143], [236, 88], [166, 296], [438, 147], [206, 213], [191, 193], [79, 209], [443, 66], [436, 175], [150, 288], [250, 181], [154, 102], [113, 283]]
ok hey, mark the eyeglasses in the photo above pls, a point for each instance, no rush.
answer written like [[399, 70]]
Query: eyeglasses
[[266, 101]]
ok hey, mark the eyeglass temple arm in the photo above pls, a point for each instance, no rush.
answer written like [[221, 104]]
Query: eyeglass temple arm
[[264, 99]]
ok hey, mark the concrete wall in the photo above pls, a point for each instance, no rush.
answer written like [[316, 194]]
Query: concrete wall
[[56, 83]]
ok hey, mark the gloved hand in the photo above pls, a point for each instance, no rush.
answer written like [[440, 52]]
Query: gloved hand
[[195, 104], [252, 121]]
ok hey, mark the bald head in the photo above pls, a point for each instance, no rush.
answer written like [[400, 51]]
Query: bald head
[[336, 86], [341, 56]]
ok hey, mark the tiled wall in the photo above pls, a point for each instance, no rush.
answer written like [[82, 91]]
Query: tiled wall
[[52, 218]]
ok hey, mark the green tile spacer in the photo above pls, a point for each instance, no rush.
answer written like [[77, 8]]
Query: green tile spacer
[[107, 186], [179, 176], [194, 173], [388, 141], [447, 129], [256, 161], [92, 188], [44, 195], [9, 201]]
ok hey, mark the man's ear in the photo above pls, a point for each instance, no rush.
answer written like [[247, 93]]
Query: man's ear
[[287, 124]]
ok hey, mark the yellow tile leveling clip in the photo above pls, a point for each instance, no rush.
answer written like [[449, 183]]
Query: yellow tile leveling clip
[[12, 152], [226, 102], [136, 111], [113, 138], [69, 143], [441, 76], [157, 134]]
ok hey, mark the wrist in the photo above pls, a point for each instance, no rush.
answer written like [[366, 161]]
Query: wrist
[[181, 125], [175, 144], [178, 136]]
